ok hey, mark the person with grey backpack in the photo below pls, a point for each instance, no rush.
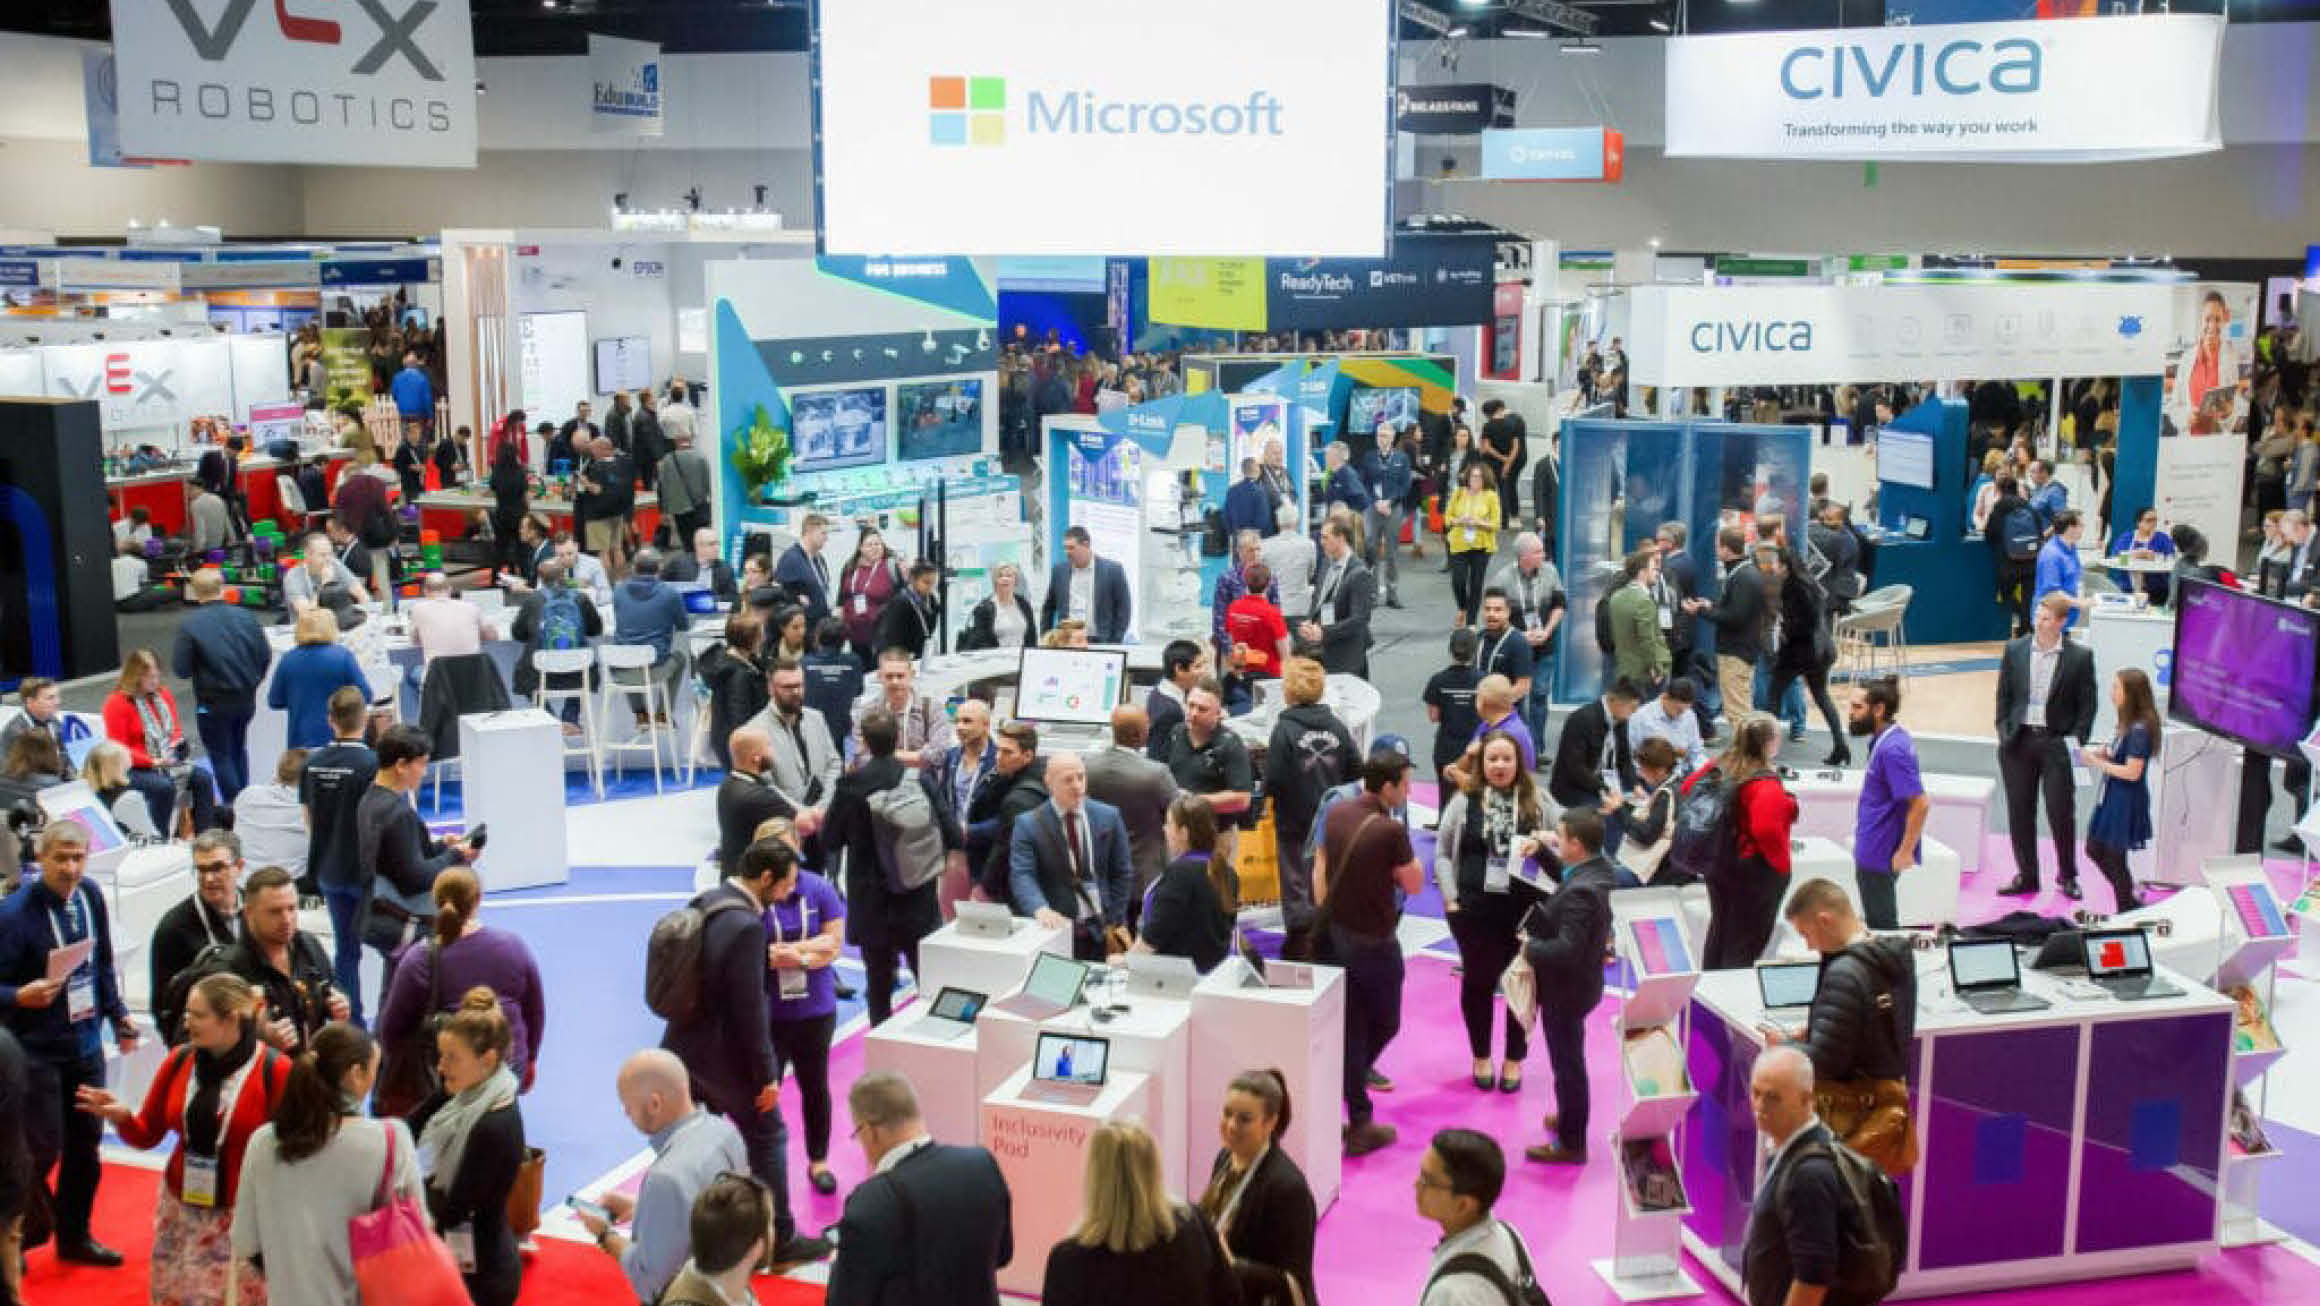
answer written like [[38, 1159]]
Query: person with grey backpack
[[889, 874]]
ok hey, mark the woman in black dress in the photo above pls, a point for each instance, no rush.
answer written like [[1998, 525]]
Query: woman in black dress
[[1258, 1198], [471, 1140], [511, 494]]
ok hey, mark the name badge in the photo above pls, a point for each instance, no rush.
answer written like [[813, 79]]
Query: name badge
[[1667, 618], [1532, 620], [80, 999], [200, 1185], [861, 604], [792, 984], [1497, 873], [461, 1240]]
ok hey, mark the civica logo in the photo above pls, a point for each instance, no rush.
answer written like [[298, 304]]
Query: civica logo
[[1753, 336], [2014, 66]]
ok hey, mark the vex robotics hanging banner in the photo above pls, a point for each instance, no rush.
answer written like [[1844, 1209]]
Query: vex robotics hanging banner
[[2086, 90], [372, 82]]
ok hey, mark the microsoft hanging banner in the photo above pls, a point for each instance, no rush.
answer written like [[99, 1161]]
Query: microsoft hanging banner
[[624, 87], [2086, 90]]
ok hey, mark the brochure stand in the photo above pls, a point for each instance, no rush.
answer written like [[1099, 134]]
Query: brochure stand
[[2255, 934], [1646, 1263]]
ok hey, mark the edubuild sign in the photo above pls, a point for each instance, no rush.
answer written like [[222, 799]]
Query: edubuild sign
[[948, 127], [2085, 89], [359, 82], [1816, 334]]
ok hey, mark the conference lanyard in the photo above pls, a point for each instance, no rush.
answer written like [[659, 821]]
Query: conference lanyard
[[1490, 659], [791, 981], [81, 986], [198, 1183]]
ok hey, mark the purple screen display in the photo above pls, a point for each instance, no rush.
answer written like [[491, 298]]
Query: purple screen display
[[2243, 667]]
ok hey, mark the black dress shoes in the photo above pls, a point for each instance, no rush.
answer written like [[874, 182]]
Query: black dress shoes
[[2019, 888], [88, 1251]]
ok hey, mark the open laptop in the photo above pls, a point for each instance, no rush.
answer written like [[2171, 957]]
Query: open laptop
[[1069, 1068], [1987, 975], [1069, 693], [953, 1014], [1787, 987], [1051, 989], [2120, 961]]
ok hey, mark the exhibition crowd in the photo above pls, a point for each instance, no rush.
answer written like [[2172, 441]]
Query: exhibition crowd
[[856, 810]]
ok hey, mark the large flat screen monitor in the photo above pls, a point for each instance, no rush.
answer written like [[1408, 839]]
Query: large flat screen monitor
[[623, 363], [2243, 667], [839, 428], [938, 419], [1370, 406], [1070, 686]]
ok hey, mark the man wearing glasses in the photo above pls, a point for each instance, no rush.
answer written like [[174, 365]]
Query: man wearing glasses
[[210, 916]]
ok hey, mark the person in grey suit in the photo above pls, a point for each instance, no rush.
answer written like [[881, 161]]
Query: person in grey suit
[[2046, 698], [1123, 777], [804, 763], [1093, 589], [1344, 591], [1068, 861], [931, 1225]]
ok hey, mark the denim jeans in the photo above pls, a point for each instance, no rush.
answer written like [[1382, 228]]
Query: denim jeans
[[1791, 707], [346, 946], [1373, 1010], [225, 736], [1540, 699]]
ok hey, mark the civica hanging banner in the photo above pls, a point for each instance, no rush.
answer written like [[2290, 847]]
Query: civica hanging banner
[[2088, 89], [372, 83], [624, 86]]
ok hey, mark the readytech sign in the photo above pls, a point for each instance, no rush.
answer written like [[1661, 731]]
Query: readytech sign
[[952, 127], [2085, 89], [370, 82]]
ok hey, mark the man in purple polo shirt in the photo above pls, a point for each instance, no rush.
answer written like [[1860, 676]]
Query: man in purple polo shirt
[[1494, 705], [1891, 817]]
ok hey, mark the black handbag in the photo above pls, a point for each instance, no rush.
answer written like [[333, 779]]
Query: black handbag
[[407, 1075]]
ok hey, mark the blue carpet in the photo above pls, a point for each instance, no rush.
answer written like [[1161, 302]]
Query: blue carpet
[[578, 792]]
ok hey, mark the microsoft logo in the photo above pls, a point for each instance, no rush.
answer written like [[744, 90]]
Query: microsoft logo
[[967, 110]]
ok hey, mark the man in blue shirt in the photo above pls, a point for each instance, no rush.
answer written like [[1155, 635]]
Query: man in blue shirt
[[60, 1023], [648, 612], [690, 1147], [2059, 569], [1891, 817], [2047, 497], [1345, 485], [414, 393]]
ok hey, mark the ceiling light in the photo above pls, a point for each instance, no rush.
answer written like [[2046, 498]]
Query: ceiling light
[[1580, 47], [1659, 24], [547, 4], [1455, 32], [1526, 33]]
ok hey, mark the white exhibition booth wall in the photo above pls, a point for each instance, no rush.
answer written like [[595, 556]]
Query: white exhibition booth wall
[[150, 389]]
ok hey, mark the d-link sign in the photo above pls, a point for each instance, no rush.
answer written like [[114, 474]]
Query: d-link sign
[[392, 87]]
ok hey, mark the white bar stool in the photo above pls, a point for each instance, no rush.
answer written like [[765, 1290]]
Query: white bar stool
[[628, 669], [572, 662]]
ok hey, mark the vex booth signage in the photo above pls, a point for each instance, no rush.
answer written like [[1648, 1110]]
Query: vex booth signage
[[2085, 89], [1801, 335], [953, 127], [374, 82]]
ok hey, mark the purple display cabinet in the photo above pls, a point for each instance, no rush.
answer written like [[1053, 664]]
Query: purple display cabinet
[[2057, 1146]]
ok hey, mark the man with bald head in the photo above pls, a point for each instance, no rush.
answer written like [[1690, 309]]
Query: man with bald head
[[1068, 861], [1123, 777], [1795, 1227], [690, 1148], [747, 798]]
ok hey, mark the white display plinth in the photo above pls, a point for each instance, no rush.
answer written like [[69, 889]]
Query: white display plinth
[[511, 769], [2194, 789], [2122, 637], [1959, 816], [1041, 1148], [1152, 1037], [143, 884], [1925, 895], [942, 1071], [948, 958], [1301, 1033]]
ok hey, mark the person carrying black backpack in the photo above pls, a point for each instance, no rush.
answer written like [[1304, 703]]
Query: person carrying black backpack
[[2014, 536], [1481, 1258], [1825, 1217]]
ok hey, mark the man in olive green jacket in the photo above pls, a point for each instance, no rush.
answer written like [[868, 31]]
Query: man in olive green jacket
[[1639, 648]]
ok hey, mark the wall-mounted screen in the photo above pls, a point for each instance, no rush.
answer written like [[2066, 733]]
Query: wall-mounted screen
[[1905, 458], [1369, 406], [623, 363], [839, 428], [2243, 667], [938, 419]]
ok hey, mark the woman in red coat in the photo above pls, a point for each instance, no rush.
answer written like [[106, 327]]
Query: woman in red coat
[[141, 716], [1744, 901], [213, 1093]]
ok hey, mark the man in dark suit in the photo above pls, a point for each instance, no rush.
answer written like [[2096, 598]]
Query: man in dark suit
[[802, 572], [1068, 860], [933, 1222], [885, 923], [727, 1047], [1568, 933], [1180, 670], [1121, 776], [2046, 698], [1594, 741], [746, 797], [1679, 578], [1738, 614], [1344, 591], [1796, 1225], [1093, 589]]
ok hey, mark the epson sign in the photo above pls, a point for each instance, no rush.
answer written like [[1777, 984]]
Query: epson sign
[[1840, 70], [1753, 336]]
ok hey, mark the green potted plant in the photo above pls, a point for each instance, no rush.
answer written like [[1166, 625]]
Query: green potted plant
[[761, 454]]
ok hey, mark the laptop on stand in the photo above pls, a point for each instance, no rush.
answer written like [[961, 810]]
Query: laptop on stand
[[1052, 988], [1987, 975], [2120, 961], [1069, 1069], [1787, 988], [953, 1014]]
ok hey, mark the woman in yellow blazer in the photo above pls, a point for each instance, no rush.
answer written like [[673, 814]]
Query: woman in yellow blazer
[[1471, 523]]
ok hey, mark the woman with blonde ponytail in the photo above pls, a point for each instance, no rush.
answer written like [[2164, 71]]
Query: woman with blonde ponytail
[[470, 955]]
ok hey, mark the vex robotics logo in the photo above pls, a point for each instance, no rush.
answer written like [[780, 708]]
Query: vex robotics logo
[[396, 35], [967, 110]]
